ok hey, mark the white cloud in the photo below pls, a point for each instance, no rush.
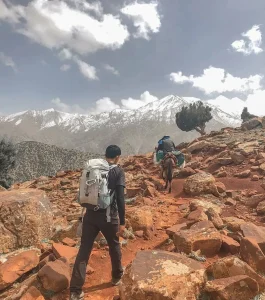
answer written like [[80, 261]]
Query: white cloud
[[111, 69], [96, 6], [145, 18], [216, 80], [65, 54], [65, 68], [87, 70], [131, 103], [7, 61], [102, 105], [56, 24], [251, 43]]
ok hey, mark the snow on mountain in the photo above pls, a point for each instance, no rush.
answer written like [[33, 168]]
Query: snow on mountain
[[134, 129]]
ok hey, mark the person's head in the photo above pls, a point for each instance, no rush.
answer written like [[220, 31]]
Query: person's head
[[113, 153]]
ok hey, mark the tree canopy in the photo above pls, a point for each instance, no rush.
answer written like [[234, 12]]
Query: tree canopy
[[7, 162], [194, 117], [246, 116]]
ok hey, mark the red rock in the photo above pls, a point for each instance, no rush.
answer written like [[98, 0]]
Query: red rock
[[55, 276], [231, 193], [141, 219], [64, 251], [243, 174], [237, 287], [215, 218], [202, 225], [16, 266], [32, 294], [186, 172], [208, 240], [254, 200], [255, 178], [25, 219], [230, 245], [69, 242], [133, 192], [261, 208], [201, 183], [257, 233], [139, 233], [224, 161], [197, 216], [170, 231], [162, 275], [230, 202], [237, 158], [45, 260], [252, 254], [233, 266], [220, 187]]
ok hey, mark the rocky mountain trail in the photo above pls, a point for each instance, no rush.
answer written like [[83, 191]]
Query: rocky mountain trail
[[207, 234]]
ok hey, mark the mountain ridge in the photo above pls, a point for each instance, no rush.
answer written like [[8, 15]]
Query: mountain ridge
[[94, 131]]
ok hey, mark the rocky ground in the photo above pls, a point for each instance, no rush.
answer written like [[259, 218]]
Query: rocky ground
[[204, 241]]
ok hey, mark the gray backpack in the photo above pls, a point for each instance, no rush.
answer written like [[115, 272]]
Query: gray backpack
[[93, 186]]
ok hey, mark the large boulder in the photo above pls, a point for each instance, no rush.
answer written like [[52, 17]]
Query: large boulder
[[16, 266], [206, 239], [141, 219], [201, 183], [25, 219], [233, 224], [32, 294], [252, 254], [162, 275], [237, 158], [232, 288], [55, 275], [233, 266], [197, 146], [257, 233], [252, 124]]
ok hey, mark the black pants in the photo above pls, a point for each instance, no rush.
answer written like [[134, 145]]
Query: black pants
[[93, 223]]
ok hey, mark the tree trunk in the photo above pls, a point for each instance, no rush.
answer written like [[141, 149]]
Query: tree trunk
[[201, 129]]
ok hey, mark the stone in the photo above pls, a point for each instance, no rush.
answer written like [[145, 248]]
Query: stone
[[205, 204], [60, 174], [139, 233], [220, 187], [224, 161], [237, 287], [230, 202], [233, 224], [45, 260], [230, 245], [243, 174], [55, 276], [16, 266], [202, 225], [252, 124], [69, 242], [221, 174], [263, 184], [207, 240], [262, 168], [233, 266], [250, 230], [2, 189], [254, 200], [255, 178], [162, 275], [197, 216], [141, 219], [201, 183], [60, 250], [197, 146], [133, 192], [261, 208], [237, 158], [89, 270], [25, 219], [231, 193], [186, 172], [215, 218], [252, 254], [32, 294], [170, 231]]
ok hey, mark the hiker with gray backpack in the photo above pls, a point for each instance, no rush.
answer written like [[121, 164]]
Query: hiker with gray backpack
[[101, 193]]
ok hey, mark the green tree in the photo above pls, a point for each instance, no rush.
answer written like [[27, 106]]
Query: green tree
[[194, 117], [246, 116], [7, 162]]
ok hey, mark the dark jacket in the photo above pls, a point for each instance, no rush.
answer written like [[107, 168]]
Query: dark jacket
[[166, 146]]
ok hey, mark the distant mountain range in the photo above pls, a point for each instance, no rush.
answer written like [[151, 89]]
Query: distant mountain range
[[136, 131]]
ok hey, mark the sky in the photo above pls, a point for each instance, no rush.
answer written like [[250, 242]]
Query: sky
[[85, 57]]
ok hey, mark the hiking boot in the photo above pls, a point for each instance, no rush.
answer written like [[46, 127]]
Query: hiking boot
[[77, 296], [115, 281]]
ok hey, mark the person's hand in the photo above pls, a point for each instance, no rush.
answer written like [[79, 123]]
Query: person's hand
[[121, 230]]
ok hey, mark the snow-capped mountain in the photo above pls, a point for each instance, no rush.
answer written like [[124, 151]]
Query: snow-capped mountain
[[135, 130]]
